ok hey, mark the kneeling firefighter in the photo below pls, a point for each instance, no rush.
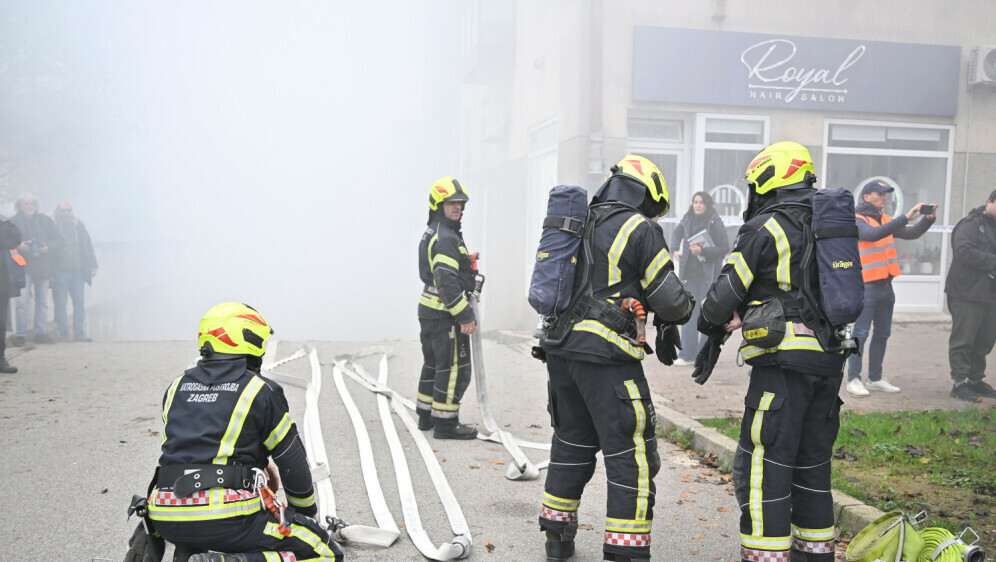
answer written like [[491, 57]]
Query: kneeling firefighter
[[445, 317], [223, 422], [599, 397], [782, 465]]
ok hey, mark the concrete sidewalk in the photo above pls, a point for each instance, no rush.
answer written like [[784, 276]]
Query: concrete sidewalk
[[916, 360]]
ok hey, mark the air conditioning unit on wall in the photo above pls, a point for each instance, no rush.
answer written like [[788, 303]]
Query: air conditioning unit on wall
[[982, 66]]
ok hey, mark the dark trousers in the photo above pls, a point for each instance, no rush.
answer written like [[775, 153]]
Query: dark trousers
[[973, 333], [256, 536], [880, 300], [781, 471], [445, 368], [691, 339], [608, 408]]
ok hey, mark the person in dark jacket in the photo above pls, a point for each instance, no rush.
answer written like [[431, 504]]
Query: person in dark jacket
[[40, 240], [971, 292], [444, 314], [879, 266], [700, 261], [10, 238], [599, 398], [74, 265], [781, 470], [224, 422]]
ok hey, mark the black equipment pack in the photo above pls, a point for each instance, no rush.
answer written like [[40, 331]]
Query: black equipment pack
[[583, 302], [830, 237]]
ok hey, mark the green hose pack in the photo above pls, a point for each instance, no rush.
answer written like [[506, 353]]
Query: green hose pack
[[893, 538]]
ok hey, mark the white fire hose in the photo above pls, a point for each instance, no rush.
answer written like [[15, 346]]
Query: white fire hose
[[457, 547], [521, 467], [314, 445]]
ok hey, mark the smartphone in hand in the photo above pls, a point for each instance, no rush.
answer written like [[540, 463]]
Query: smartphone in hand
[[927, 209]]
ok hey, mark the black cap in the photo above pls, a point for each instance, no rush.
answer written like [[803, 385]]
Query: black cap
[[877, 186]]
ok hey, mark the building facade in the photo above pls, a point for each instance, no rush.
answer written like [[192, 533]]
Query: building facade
[[556, 91]]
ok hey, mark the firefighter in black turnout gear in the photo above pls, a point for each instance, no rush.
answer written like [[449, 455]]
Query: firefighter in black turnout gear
[[444, 314], [781, 470], [599, 397], [223, 422]]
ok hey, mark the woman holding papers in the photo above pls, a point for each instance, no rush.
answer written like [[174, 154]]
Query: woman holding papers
[[702, 245]]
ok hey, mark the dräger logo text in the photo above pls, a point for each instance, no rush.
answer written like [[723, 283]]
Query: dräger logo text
[[843, 264]]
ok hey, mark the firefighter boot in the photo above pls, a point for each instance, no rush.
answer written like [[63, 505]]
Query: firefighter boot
[[216, 557], [560, 546], [425, 422], [452, 429]]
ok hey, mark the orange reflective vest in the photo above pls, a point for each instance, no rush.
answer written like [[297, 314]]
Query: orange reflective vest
[[879, 259]]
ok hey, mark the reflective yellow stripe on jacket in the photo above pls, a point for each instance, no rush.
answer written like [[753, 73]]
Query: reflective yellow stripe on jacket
[[792, 341], [599, 329], [216, 509], [227, 445]]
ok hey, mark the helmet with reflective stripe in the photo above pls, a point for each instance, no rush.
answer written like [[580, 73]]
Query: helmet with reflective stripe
[[445, 190], [781, 164], [647, 173], [234, 329]]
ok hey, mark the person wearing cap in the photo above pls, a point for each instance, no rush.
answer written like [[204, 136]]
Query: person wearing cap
[[879, 265]]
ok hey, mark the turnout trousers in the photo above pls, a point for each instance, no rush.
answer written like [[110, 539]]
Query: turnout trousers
[[256, 535], [445, 369], [602, 407], [781, 471]]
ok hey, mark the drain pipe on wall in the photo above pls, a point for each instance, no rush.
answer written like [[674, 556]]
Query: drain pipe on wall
[[968, 145]]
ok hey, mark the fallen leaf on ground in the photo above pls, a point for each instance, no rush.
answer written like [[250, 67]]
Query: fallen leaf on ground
[[496, 462], [723, 509], [490, 547]]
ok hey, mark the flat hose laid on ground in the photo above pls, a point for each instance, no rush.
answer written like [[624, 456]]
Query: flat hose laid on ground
[[314, 445], [521, 468], [457, 547], [385, 522]]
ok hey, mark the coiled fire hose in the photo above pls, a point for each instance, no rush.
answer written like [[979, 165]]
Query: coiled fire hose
[[634, 307], [941, 545], [891, 538]]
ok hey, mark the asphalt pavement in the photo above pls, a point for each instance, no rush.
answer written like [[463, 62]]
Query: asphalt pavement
[[80, 430]]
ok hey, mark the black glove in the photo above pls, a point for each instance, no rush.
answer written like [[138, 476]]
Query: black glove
[[144, 547], [668, 343], [706, 360]]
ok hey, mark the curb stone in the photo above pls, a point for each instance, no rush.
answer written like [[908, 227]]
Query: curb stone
[[850, 514]]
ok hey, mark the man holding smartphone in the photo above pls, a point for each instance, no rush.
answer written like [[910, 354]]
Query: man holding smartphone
[[880, 264]]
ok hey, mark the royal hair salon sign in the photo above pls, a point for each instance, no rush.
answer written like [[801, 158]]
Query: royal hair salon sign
[[726, 68]]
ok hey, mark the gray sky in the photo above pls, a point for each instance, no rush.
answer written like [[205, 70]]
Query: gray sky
[[278, 154]]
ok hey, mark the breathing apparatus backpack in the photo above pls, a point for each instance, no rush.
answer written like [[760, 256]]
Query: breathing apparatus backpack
[[556, 258], [583, 302], [830, 237]]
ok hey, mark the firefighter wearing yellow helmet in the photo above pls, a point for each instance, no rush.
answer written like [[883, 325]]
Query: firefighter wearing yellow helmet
[[782, 467], [445, 317], [599, 398], [224, 422]]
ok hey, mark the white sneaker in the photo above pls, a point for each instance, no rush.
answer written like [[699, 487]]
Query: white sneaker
[[857, 388], [883, 385], [683, 363]]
